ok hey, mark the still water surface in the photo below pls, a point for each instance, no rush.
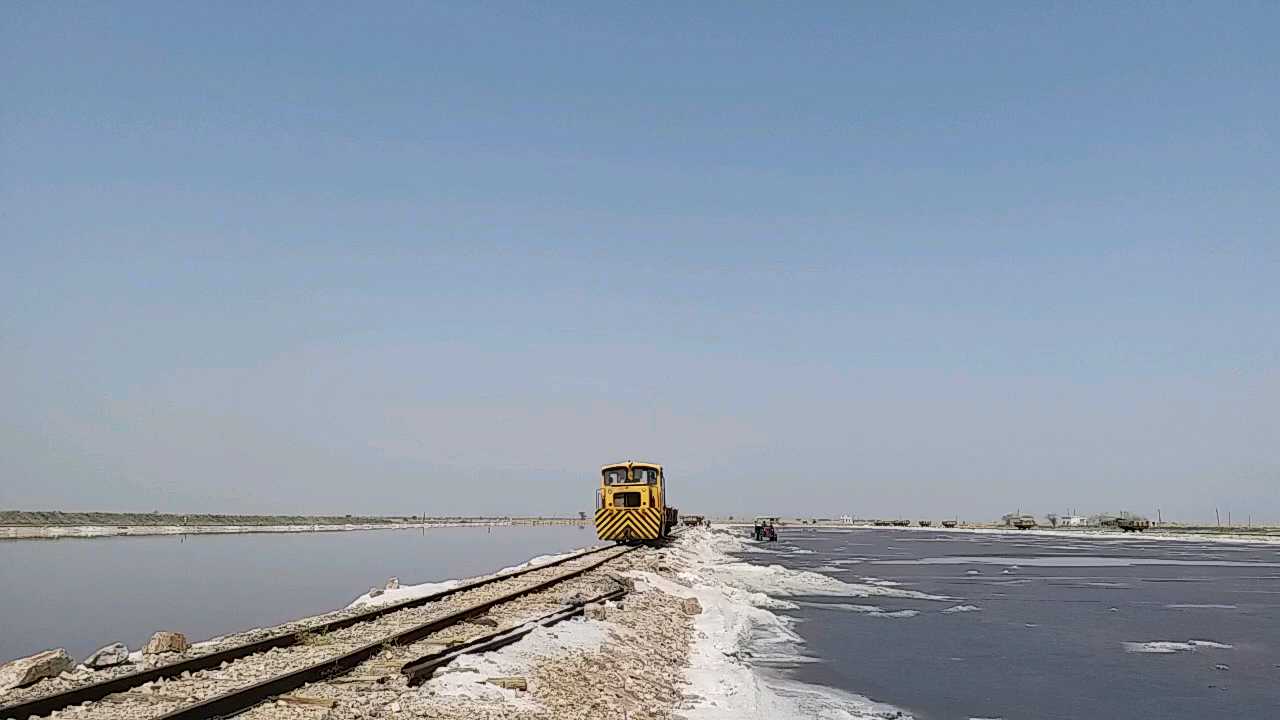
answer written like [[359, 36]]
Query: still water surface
[[81, 594], [1045, 627]]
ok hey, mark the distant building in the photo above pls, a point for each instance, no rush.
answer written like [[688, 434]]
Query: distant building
[[1018, 520], [1072, 521], [846, 519]]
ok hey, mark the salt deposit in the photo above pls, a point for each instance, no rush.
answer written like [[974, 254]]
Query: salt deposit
[[413, 592], [1069, 561], [870, 610], [1165, 647], [777, 580], [724, 678], [1162, 536]]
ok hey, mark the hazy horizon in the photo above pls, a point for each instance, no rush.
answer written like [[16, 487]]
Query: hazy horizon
[[917, 261]]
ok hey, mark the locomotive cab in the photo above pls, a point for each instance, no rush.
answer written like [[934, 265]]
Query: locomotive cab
[[631, 503]]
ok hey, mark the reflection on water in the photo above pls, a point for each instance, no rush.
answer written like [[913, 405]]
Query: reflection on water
[[84, 593]]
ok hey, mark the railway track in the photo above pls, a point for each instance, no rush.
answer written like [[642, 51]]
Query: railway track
[[233, 680]]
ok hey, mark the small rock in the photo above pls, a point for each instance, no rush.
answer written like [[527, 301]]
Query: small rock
[[484, 620], [109, 656], [594, 611], [1220, 666], [691, 606], [27, 670], [375, 592], [166, 642], [393, 583], [577, 597]]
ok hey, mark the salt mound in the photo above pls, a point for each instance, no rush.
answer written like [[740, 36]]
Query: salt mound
[[1165, 647], [872, 610], [404, 592], [737, 631], [780, 581]]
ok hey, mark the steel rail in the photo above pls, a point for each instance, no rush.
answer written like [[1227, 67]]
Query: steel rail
[[47, 704], [420, 670], [241, 699]]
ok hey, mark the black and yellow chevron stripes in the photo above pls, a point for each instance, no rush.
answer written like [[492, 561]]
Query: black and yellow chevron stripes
[[642, 523]]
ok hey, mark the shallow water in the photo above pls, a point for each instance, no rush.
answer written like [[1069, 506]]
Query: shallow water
[[1091, 628], [81, 594]]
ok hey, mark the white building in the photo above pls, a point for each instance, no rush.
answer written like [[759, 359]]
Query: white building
[[1072, 521], [846, 519]]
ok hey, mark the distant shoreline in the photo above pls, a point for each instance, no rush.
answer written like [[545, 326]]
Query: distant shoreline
[[23, 525], [1268, 534]]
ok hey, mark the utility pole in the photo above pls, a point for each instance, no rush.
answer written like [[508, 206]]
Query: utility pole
[[1217, 517], [1159, 517]]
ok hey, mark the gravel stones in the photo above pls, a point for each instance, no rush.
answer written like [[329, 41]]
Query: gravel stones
[[33, 668], [166, 641], [691, 606], [109, 656], [163, 696], [577, 597], [637, 672], [625, 582]]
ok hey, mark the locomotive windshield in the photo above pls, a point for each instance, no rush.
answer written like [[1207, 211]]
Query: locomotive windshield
[[639, 476]]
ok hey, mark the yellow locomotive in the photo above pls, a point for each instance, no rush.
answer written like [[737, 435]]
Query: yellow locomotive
[[631, 503]]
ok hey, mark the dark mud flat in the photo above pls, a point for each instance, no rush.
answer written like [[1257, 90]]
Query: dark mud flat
[[1067, 627]]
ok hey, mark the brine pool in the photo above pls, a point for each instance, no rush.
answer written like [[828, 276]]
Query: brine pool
[[83, 593], [1026, 626]]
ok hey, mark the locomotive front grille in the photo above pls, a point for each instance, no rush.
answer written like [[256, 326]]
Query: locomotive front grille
[[643, 523]]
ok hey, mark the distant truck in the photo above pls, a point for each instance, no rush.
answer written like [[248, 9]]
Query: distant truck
[[1024, 522], [764, 528]]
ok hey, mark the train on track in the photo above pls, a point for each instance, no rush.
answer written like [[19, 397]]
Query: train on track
[[631, 503]]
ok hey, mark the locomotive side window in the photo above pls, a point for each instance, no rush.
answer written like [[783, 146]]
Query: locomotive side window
[[648, 476], [615, 476]]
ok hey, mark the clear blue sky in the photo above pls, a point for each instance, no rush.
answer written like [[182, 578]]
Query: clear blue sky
[[919, 259]]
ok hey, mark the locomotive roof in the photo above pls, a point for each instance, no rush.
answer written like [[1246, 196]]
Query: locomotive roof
[[631, 463]]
